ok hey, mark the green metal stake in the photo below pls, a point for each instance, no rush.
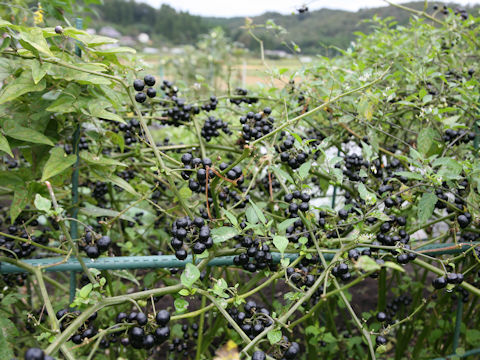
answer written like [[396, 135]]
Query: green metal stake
[[75, 175], [458, 324], [334, 197]]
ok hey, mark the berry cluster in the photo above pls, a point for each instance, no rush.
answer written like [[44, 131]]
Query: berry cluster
[[462, 136], [181, 112], [86, 331], [253, 319], [200, 165], [212, 126], [257, 256], [139, 85], [298, 201], [94, 245], [36, 354], [239, 100], [450, 278], [129, 131], [290, 155], [193, 233], [300, 277], [212, 105], [137, 336], [255, 125]]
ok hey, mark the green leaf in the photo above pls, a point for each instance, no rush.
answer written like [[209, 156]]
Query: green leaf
[[8, 334], [21, 85], [425, 140], [258, 212], [233, 220], [98, 159], [20, 200], [97, 109], [280, 242], [473, 337], [63, 105], [426, 205], [369, 197], [41, 203], [86, 290], [184, 292], [285, 224], [367, 264], [280, 174], [251, 215], [25, 134], [304, 170], [394, 266], [223, 233], [274, 336], [189, 275], [4, 146], [35, 39], [409, 175], [39, 70], [379, 215], [57, 163], [181, 305], [127, 275], [95, 211]]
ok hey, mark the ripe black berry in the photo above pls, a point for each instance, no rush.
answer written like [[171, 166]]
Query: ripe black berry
[[163, 317], [463, 221], [149, 80], [140, 97], [381, 316], [258, 355], [439, 283], [380, 340], [151, 92], [138, 85], [34, 354], [58, 29]]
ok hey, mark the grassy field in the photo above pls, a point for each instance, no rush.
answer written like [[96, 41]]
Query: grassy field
[[245, 72]]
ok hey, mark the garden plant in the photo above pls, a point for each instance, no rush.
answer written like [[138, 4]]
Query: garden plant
[[331, 212]]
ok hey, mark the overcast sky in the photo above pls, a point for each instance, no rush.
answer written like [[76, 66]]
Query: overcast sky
[[229, 8]]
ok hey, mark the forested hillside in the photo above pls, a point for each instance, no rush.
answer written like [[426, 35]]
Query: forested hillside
[[312, 31]]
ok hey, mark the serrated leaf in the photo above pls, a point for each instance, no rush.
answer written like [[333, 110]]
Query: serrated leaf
[[18, 132], [223, 233], [426, 205], [280, 242], [41, 203], [4, 146], [57, 163], [189, 275], [274, 336]]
